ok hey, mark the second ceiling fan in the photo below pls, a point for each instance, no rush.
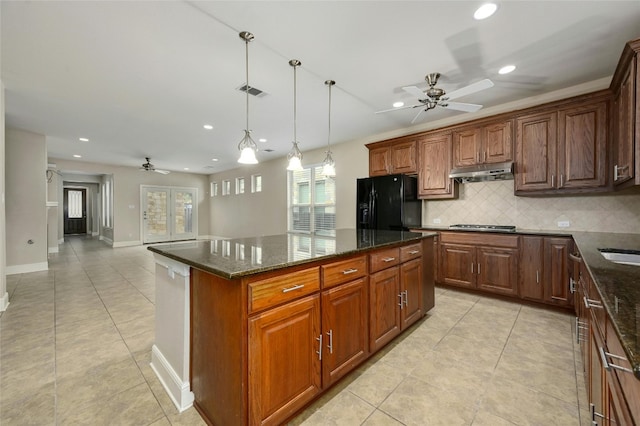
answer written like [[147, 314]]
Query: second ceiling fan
[[435, 96]]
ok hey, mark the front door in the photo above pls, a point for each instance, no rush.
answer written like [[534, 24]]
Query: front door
[[168, 214], [75, 211]]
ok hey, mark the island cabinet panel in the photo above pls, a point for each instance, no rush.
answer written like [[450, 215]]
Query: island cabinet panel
[[411, 294], [345, 327], [384, 320], [284, 360], [271, 291], [340, 272], [383, 259]]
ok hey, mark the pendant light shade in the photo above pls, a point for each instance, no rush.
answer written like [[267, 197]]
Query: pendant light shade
[[247, 146], [328, 165], [295, 156]]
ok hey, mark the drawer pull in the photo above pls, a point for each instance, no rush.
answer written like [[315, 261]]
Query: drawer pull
[[295, 287], [575, 258], [330, 345], [388, 259], [604, 356], [319, 351], [590, 303], [349, 271], [414, 252]]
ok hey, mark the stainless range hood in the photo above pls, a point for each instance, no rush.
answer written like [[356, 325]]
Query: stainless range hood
[[483, 172]]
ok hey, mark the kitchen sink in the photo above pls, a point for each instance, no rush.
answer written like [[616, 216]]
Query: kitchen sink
[[625, 257]]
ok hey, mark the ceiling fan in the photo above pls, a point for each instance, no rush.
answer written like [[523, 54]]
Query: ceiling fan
[[435, 96], [148, 167]]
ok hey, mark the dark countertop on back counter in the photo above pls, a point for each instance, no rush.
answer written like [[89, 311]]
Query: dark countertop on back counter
[[239, 257], [518, 231]]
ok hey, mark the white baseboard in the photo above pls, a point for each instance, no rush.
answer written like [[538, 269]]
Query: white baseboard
[[53, 250], [95, 234], [126, 243], [106, 240], [29, 267], [179, 391], [61, 241], [4, 302]]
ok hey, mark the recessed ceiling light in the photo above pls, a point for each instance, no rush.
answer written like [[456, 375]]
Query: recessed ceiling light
[[398, 104], [214, 159], [484, 11], [506, 69], [186, 168], [83, 139], [77, 156], [208, 126], [262, 140]]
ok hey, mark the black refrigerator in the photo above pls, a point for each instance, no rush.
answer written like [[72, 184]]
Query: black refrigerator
[[388, 202]]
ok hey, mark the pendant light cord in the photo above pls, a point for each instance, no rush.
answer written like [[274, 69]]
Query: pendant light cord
[[295, 106], [329, 131], [246, 42]]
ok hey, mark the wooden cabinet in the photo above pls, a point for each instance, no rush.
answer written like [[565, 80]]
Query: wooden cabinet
[[284, 360], [531, 264], [486, 144], [384, 320], [434, 153], [563, 150], [478, 260], [391, 157], [625, 85]]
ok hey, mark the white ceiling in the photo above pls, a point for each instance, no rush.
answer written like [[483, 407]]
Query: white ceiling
[[142, 78]]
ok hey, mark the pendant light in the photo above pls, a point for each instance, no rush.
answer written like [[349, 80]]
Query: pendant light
[[295, 156], [247, 146], [328, 165]]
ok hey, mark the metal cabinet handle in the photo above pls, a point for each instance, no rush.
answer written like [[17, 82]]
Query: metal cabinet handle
[[295, 287], [319, 351], [553, 181], [604, 356], [330, 345], [537, 277], [349, 271], [594, 414], [575, 257], [561, 180], [478, 268], [472, 267], [406, 297], [401, 296], [590, 303], [615, 172], [414, 252], [580, 326]]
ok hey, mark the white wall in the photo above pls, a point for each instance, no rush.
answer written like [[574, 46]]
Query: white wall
[[26, 197], [126, 195], [4, 296]]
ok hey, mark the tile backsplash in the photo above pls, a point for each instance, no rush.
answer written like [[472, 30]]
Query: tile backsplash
[[494, 203]]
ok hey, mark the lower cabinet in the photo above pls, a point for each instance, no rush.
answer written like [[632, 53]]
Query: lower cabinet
[[384, 316], [545, 270]]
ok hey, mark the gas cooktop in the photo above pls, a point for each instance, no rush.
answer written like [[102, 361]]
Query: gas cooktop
[[493, 228]]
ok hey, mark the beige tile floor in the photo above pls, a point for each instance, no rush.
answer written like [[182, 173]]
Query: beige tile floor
[[75, 348]]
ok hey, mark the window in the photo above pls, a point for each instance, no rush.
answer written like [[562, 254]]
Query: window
[[311, 201], [240, 185], [256, 183], [214, 189], [226, 187], [107, 200]]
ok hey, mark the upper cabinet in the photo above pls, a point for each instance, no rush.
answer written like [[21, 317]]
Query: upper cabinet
[[391, 157], [626, 118], [563, 149], [435, 164], [487, 144]]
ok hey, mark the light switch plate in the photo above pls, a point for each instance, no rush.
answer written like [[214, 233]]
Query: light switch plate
[[437, 221], [564, 224]]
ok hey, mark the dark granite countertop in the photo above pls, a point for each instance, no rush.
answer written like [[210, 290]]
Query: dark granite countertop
[[238, 257], [518, 231], [619, 286]]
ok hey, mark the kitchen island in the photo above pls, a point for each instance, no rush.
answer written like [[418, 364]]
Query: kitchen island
[[252, 330]]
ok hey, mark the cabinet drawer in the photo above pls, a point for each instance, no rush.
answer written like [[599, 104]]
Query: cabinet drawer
[[340, 272], [480, 238], [629, 383], [413, 251], [383, 259], [264, 293]]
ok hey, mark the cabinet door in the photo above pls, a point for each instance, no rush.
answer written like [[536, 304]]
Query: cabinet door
[[624, 128], [284, 364], [497, 143], [384, 305], [435, 165], [497, 270], [596, 378], [379, 161], [531, 262], [457, 264], [344, 326], [403, 157], [582, 147], [536, 152], [466, 145], [556, 267], [411, 287]]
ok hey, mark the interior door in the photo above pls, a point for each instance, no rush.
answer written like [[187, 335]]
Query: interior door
[[168, 214], [75, 211]]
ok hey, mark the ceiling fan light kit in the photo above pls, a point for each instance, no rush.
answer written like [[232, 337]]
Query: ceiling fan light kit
[[294, 157], [148, 167], [247, 146]]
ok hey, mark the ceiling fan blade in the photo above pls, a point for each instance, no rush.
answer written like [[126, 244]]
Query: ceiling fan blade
[[398, 109], [416, 117], [460, 106], [472, 88], [162, 172], [415, 92]]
